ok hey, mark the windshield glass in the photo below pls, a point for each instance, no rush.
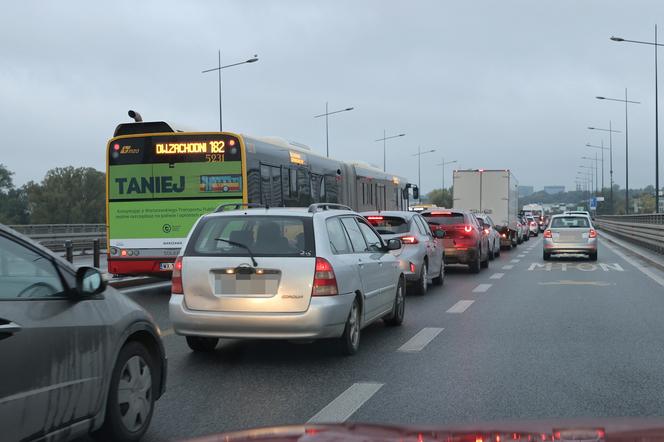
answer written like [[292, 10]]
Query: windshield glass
[[443, 219], [570, 222], [386, 225]]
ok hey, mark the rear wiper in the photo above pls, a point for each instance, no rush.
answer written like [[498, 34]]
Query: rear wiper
[[237, 244]]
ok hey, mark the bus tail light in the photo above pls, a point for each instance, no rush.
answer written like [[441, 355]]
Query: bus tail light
[[592, 233], [176, 278], [547, 234], [409, 239], [325, 282]]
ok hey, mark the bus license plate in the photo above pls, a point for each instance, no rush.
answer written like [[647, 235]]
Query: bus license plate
[[166, 266]]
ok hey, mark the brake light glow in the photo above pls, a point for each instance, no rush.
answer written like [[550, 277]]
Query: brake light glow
[[408, 239], [468, 228], [592, 233], [325, 282], [547, 234], [439, 213], [503, 235], [176, 279], [533, 223], [375, 218], [412, 268], [123, 253]]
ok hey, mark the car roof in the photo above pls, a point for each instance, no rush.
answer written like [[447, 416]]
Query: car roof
[[393, 213], [279, 211]]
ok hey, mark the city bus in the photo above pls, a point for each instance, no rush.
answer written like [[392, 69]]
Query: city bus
[[159, 181]]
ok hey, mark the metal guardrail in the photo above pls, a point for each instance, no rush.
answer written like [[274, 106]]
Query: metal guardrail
[[56, 237], [646, 230]]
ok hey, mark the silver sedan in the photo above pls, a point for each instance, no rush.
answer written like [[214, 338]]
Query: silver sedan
[[570, 234]]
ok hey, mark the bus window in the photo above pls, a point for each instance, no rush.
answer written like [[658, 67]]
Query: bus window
[[321, 191], [331, 189], [271, 185], [292, 182], [303, 186]]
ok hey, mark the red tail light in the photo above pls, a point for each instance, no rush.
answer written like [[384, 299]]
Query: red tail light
[[468, 229], [412, 268], [325, 283], [547, 234], [409, 240], [176, 279], [375, 218], [592, 233], [533, 223]]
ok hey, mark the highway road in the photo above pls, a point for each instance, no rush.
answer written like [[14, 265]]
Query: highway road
[[522, 340]]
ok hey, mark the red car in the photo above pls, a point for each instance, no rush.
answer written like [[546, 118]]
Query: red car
[[465, 241]]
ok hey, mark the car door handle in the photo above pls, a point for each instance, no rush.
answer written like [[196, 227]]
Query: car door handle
[[8, 328]]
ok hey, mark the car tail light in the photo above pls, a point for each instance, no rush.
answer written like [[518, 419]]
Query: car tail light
[[412, 268], [533, 223], [408, 239], [468, 229], [375, 218], [547, 234], [503, 235], [486, 231], [325, 283], [176, 279], [592, 233]]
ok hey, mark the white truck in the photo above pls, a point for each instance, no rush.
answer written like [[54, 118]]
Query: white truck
[[494, 192]]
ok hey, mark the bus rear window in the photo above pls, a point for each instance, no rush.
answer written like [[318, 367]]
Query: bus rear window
[[263, 235], [447, 218], [388, 225]]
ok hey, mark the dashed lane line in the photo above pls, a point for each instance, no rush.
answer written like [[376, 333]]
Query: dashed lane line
[[460, 306], [420, 340], [508, 267], [481, 288], [515, 261], [347, 403], [496, 276]]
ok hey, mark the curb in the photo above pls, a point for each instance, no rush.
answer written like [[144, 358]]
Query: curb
[[623, 244]]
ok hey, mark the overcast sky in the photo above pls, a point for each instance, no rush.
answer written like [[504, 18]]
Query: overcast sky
[[491, 84]]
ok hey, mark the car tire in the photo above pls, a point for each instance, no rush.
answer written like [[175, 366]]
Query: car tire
[[492, 255], [497, 251], [422, 283], [527, 238], [440, 279], [474, 266], [519, 241], [349, 342], [201, 343], [396, 317], [546, 256], [136, 370], [485, 264], [593, 256]]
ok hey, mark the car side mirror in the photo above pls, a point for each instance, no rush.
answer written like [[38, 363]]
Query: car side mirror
[[394, 244], [438, 233], [487, 226], [89, 281]]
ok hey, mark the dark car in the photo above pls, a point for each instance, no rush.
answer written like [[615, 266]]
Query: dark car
[[465, 241], [78, 357]]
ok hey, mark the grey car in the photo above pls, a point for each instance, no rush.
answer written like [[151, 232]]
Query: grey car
[[422, 254], [492, 234], [570, 234], [284, 273], [77, 357]]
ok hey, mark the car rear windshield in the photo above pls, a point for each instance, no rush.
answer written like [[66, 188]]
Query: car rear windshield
[[570, 222], [263, 235], [444, 218], [387, 225]]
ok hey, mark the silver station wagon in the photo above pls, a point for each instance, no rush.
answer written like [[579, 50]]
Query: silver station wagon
[[284, 273]]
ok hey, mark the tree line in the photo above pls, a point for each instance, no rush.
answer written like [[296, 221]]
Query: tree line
[[66, 195]]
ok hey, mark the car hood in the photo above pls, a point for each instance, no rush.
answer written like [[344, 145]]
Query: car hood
[[577, 430]]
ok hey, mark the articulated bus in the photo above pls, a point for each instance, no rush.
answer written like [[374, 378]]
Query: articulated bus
[[159, 181]]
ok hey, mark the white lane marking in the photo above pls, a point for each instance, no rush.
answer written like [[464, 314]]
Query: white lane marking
[[421, 339], [481, 288], [646, 271], [508, 267], [496, 276], [515, 260], [460, 306], [521, 256], [347, 403]]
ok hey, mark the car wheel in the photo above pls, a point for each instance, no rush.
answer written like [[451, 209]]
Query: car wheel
[[130, 402], [438, 280], [474, 266], [485, 264], [396, 317], [422, 283], [593, 256], [497, 250], [519, 241], [201, 343], [546, 256], [349, 341], [527, 238], [491, 255]]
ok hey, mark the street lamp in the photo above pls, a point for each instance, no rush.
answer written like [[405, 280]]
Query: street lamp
[[326, 115], [384, 139], [654, 44], [595, 169], [626, 101], [443, 164], [590, 176], [611, 132], [218, 69], [594, 146], [419, 176]]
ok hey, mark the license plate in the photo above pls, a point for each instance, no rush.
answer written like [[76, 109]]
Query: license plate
[[166, 266]]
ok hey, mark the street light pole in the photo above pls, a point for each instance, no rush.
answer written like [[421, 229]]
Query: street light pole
[[218, 69], [419, 174], [443, 164], [602, 159], [626, 101], [384, 139], [326, 115], [611, 132]]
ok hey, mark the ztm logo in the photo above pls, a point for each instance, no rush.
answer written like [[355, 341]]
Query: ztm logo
[[166, 228]]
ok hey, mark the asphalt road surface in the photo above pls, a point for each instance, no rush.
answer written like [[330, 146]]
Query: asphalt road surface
[[522, 340]]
